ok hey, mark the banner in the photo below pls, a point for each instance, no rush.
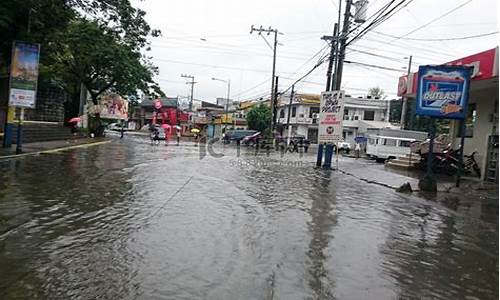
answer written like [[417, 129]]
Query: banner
[[24, 74], [110, 106], [443, 91], [331, 114]]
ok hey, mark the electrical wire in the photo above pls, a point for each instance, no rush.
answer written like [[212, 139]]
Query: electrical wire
[[252, 88], [373, 66], [387, 15], [433, 20], [441, 39]]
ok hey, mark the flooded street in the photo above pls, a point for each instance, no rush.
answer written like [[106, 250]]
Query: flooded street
[[127, 220]]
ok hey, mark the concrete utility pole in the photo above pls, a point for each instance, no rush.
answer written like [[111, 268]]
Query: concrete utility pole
[[343, 40], [288, 127], [192, 82], [333, 41], [405, 99], [273, 92]]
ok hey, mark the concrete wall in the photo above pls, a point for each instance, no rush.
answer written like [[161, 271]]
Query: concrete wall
[[486, 124]]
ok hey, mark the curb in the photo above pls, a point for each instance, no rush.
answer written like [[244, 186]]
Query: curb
[[48, 151]]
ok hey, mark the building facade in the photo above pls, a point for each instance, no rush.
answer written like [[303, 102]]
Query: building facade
[[481, 134], [362, 116]]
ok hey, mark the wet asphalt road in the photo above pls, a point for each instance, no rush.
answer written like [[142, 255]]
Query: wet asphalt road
[[128, 220]]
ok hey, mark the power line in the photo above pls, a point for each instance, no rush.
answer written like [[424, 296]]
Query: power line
[[252, 88], [214, 66], [387, 15], [433, 20], [373, 66], [441, 39]]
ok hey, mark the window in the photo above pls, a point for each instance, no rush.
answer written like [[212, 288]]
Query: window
[[312, 111], [356, 117], [346, 111], [389, 142], [404, 143], [349, 133], [282, 113], [369, 115], [346, 117], [294, 111]]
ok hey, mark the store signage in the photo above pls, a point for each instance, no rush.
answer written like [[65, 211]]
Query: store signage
[[443, 91], [24, 74], [331, 112]]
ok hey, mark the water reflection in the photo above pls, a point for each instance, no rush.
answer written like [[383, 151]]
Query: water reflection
[[323, 197], [108, 222], [64, 219], [432, 254]]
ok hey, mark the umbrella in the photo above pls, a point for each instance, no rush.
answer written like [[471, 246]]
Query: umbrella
[[195, 130], [74, 120]]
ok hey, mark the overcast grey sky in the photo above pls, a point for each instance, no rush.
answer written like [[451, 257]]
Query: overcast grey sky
[[229, 51]]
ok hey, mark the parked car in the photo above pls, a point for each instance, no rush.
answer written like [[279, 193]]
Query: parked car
[[251, 140], [114, 127], [344, 147], [238, 135]]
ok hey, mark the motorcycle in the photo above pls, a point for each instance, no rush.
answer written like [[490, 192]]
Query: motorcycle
[[448, 162]]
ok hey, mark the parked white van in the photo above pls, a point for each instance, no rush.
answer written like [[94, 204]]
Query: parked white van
[[388, 147]]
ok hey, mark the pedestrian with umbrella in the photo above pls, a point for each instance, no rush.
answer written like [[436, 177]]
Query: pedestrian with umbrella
[[74, 124], [195, 131]]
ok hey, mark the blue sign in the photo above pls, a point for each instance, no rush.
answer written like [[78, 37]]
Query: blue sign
[[443, 91], [361, 139]]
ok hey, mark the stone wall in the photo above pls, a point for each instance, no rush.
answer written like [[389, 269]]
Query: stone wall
[[49, 105]]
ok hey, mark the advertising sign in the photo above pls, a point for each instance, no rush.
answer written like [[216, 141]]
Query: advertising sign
[[24, 74], [443, 91], [111, 106], [331, 113]]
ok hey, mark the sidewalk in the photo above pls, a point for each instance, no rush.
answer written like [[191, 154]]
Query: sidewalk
[[49, 146]]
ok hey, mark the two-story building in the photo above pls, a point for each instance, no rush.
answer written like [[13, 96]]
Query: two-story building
[[361, 115], [304, 112]]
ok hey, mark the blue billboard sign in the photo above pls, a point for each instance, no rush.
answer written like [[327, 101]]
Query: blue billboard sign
[[443, 91]]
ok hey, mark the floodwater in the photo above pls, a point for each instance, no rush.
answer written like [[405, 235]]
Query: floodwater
[[127, 220]]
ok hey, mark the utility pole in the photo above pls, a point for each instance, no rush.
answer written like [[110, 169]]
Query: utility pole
[[332, 56], [343, 40], [192, 82], [275, 104], [288, 127], [273, 92], [405, 99]]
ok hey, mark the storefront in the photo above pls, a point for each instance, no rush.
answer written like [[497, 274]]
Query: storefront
[[482, 121]]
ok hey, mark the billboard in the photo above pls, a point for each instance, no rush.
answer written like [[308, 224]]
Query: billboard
[[111, 106], [24, 74], [443, 91], [331, 114]]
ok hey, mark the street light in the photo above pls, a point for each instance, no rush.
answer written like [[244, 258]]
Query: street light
[[228, 82]]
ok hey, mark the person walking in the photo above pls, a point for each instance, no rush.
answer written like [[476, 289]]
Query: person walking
[[357, 150], [178, 133]]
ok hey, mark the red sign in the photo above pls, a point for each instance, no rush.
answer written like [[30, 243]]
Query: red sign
[[485, 66]]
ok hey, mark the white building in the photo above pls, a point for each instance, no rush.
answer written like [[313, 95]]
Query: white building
[[362, 116], [303, 115]]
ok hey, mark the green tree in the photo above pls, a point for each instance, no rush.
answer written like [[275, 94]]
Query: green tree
[[91, 54], [259, 117], [377, 92]]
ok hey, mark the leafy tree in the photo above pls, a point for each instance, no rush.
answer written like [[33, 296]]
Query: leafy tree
[[395, 111], [377, 92], [259, 117]]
